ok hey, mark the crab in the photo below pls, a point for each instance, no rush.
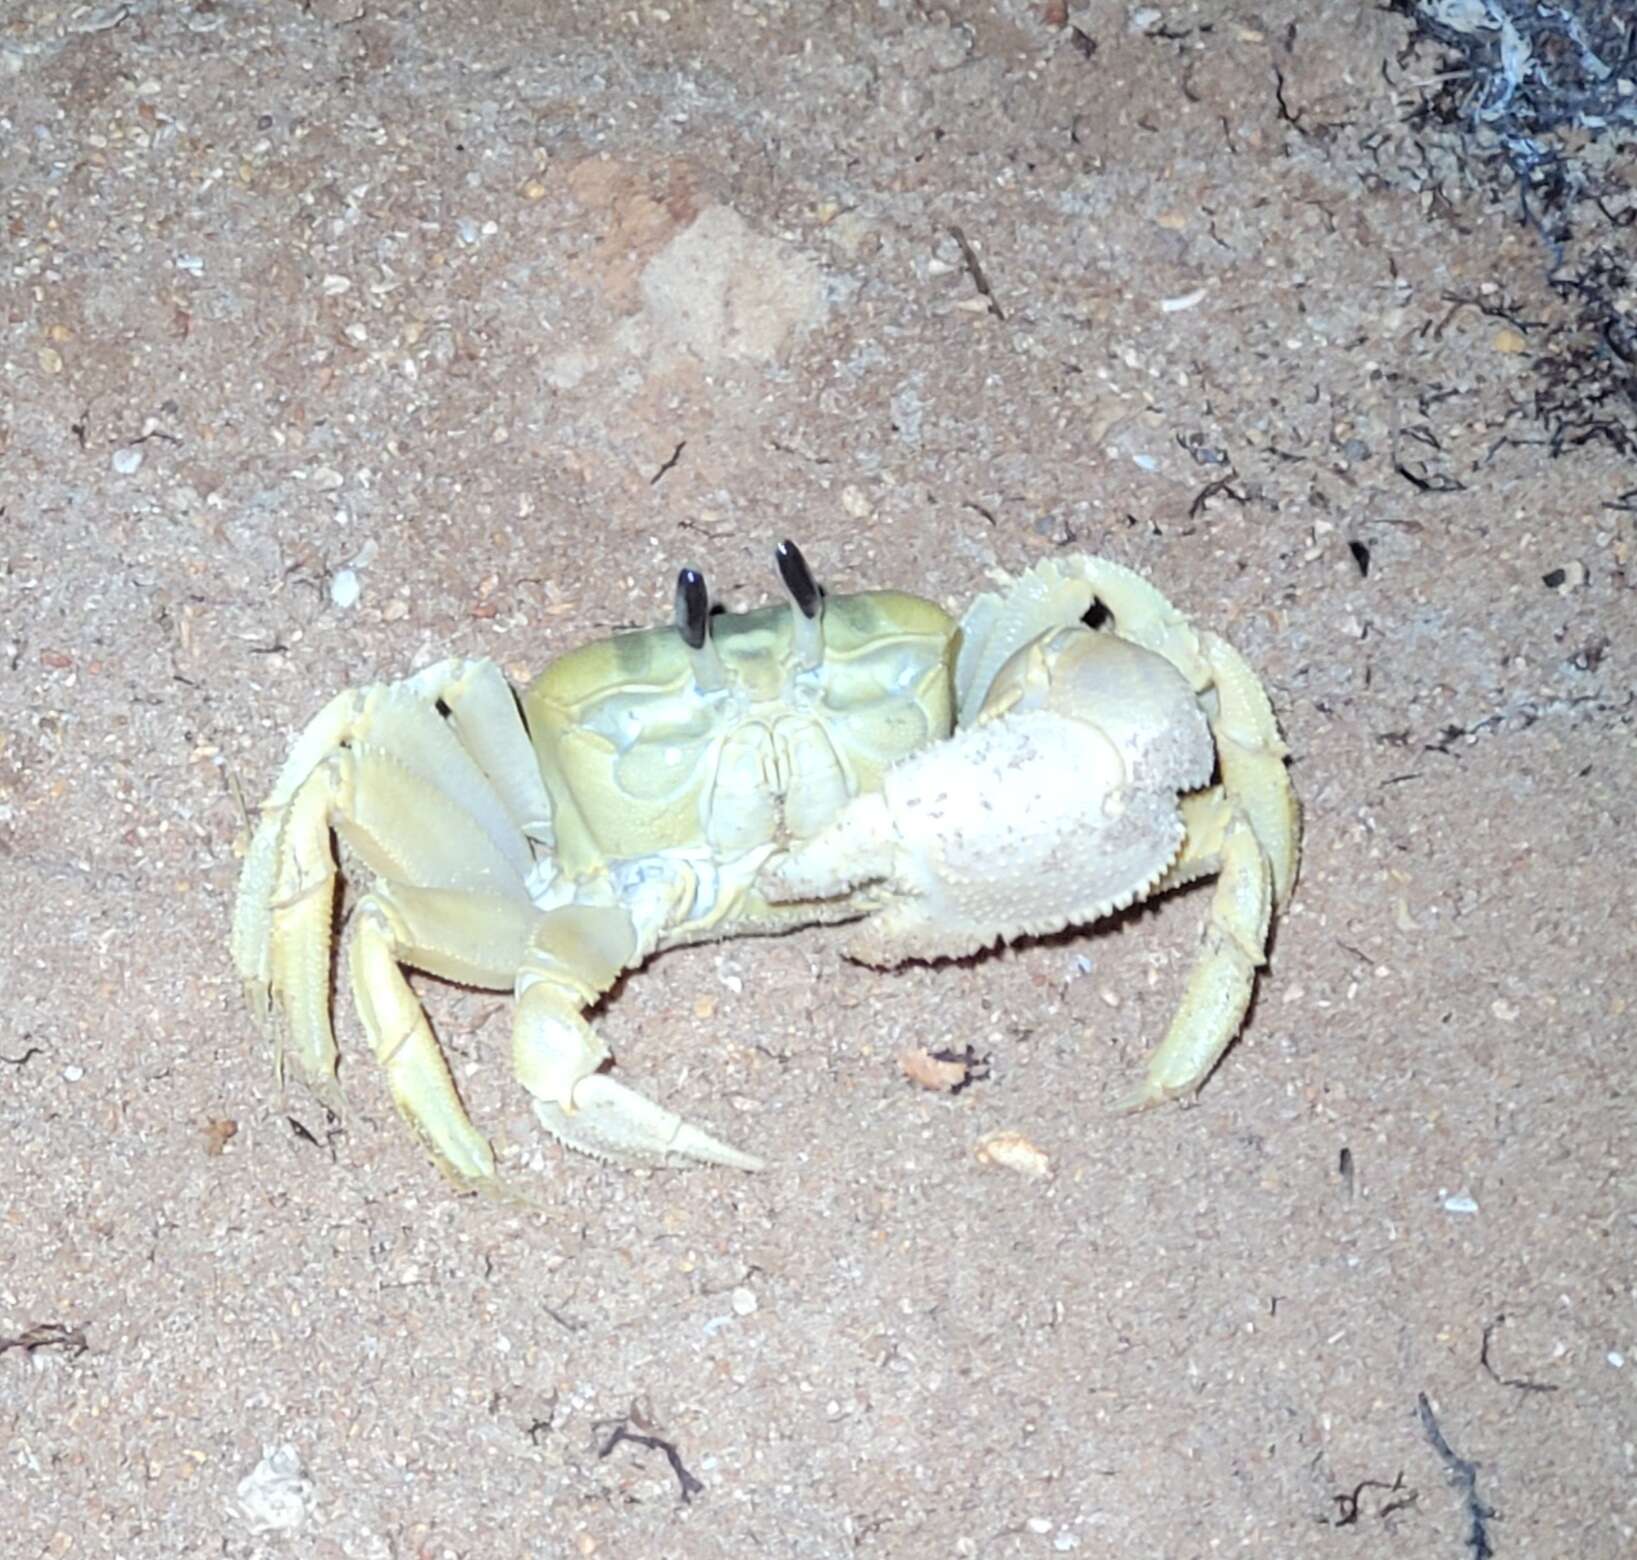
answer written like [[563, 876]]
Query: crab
[[1070, 746]]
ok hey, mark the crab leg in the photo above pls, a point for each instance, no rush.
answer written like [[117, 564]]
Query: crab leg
[[474, 938], [405, 829], [483, 711], [1219, 986], [1252, 759], [1247, 830], [395, 721], [1058, 799], [578, 951]]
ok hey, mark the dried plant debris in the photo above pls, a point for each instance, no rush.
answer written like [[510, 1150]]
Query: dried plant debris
[[1464, 1476], [1538, 100], [48, 1335], [974, 269], [1528, 71], [1350, 1503], [1518, 1383], [219, 1132], [944, 1072], [690, 1486]]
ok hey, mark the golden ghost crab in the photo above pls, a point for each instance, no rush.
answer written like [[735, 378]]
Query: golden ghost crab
[[831, 758]]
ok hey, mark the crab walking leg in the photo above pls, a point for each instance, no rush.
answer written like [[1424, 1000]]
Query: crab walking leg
[[399, 720], [1220, 985], [470, 937], [1252, 758], [252, 938], [1206, 818], [404, 828], [484, 713], [578, 951]]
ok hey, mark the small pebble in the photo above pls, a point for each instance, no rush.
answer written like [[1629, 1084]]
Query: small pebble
[[1013, 1151], [1460, 1203], [275, 1496], [1184, 301], [127, 460], [743, 1302], [344, 588]]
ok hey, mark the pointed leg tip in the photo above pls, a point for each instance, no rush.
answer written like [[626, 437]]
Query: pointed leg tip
[[324, 1088], [461, 1152], [495, 1188], [617, 1124], [693, 1143], [1147, 1096]]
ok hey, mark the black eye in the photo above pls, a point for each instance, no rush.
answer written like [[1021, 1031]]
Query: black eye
[[798, 579], [692, 608]]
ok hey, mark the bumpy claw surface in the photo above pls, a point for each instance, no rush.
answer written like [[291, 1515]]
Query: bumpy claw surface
[[1021, 826]]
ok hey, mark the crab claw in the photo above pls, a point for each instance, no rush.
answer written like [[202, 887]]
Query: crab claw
[[610, 1121], [974, 843], [575, 955], [1032, 820]]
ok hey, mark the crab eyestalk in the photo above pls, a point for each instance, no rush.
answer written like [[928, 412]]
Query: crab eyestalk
[[806, 604], [693, 623]]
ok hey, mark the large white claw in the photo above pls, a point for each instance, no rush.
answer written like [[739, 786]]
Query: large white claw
[[1057, 808], [610, 1121], [1020, 827]]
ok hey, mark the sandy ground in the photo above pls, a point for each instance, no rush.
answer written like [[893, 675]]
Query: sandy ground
[[341, 337]]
